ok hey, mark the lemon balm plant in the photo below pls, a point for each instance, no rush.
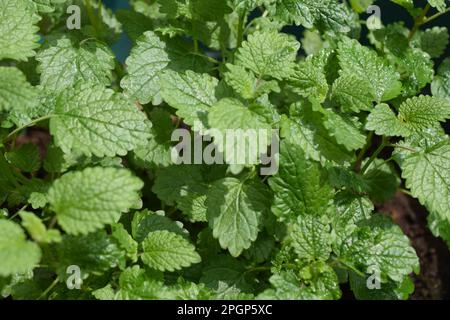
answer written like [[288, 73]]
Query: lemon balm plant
[[93, 207]]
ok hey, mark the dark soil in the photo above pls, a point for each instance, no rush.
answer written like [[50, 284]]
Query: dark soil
[[433, 282]]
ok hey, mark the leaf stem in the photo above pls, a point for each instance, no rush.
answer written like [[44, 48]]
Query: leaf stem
[[92, 17], [401, 147], [363, 151], [32, 123], [380, 148], [50, 288], [435, 16], [419, 21]]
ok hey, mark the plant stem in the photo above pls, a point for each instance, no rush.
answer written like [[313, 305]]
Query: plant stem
[[435, 16], [363, 151], [50, 288], [419, 21], [196, 46], [405, 192], [380, 148], [32, 123], [401, 147], [92, 17]]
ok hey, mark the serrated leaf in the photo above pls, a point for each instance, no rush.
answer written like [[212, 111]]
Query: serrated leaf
[[37, 229], [309, 80], [379, 243], [15, 91], [269, 54], [96, 121], [26, 158], [311, 238], [85, 201], [235, 212], [92, 253], [433, 41], [305, 128], [192, 94], [353, 93], [346, 130], [17, 255], [145, 63], [64, 64], [18, 19], [427, 175], [415, 115], [251, 133], [366, 64], [440, 87], [327, 15], [167, 251], [147, 221], [298, 187]]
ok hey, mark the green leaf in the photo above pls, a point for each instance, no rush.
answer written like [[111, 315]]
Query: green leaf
[[26, 158], [387, 291], [245, 83], [383, 121], [433, 41], [305, 128], [167, 251], [37, 229], [415, 115], [379, 243], [96, 121], [440, 87], [311, 238], [346, 130], [309, 80], [145, 63], [192, 94], [15, 91], [298, 187], [147, 221], [63, 65], [18, 19], [321, 284], [427, 175], [269, 54], [366, 64], [93, 253], [85, 201], [17, 255], [440, 5], [230, 114], [125, 241], [326, 15], [353, 93], [236, 208]]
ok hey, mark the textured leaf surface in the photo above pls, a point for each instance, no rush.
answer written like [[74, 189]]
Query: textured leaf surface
[[18, 19], [63, 65], [235, 212], [17, 255], [94, 120], [86, 200], [15, 91], [167, 251], [269, 54], [145, 63]]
